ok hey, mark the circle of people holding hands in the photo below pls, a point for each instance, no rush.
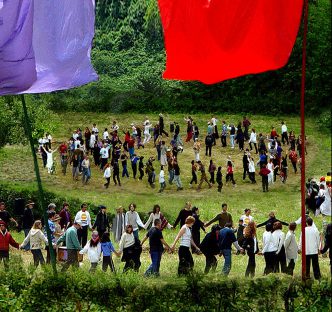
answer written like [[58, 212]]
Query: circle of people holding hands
[[114, 149], [280, 251]]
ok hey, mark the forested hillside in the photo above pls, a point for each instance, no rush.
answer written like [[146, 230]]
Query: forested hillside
[[129, 57]]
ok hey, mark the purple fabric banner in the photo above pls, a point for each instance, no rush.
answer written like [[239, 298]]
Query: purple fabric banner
[[61, 38]]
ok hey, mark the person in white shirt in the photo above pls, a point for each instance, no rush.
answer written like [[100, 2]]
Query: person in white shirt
[[246, 218], [107, 175], [93, 249], [92, 140], [270, 248], [132, 218], [115, 127], [156, 214], [325, 207], [253, 140], [49, 163], [83, 217], [284, 133], [186, 262], [252, 170], [291, 248], [162, 179], [312, 244], [147, 135], [131, 255], [105, 134], [95, 130], [104, 154], [279, 238]]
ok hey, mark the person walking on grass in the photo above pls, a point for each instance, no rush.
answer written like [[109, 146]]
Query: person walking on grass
[[230, 173], [219, 179], [6, 239], [223, 218], [250, 244], [132, 218], [293, 158], [107, 249], [225, 240], [193, 173], [177, 178], [93, 250], [279, 237], [253, 140], [156, 242], [50, 161], [186, 262], [291, 248], [264, 172], [73, 246], [196, 228], [116, 174], [312, 244], [201, 168], [183, 215], [83, 218], [197, 148], [156, 214], [252, 170], [210, 248], [212, 169], [162, 180], [107, 174], [28, 220], [86, 175], [102, 223], [36, 239], [270, 247]]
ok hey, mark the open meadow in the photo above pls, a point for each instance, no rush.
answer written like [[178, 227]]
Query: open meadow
[[16, 168]]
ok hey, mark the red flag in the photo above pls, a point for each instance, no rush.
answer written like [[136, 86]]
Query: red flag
[[215, 40]]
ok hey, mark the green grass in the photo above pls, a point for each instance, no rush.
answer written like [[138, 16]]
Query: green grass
[[16, 168]]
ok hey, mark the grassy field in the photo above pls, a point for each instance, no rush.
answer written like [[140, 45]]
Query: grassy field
[[16, 169]]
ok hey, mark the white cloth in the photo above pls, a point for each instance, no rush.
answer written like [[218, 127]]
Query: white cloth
[[92, 140], [251, 166], [253, 137], [161, 176], [325, 207], [312, 241], [270, 175], [36, 238], [83, 218], [105, 135], [279, 238], [133, 218], [126, 240], [93, 252], [246, 219], [269, 243], [107, 173], [186, 237], [298, 222], [283, 128], [104, 152]]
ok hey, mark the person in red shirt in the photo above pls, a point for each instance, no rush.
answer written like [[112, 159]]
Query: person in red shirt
[[5, 240], [274, 133], [293, 158], [264, 172]]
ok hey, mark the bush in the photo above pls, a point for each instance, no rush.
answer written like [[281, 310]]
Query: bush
[[79, 291]]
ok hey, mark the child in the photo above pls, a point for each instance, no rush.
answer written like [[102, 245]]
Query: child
[[230, 173], [36, 238], [219, 179], [93, 249], [5, 240], [162, 179], [107, 249], [107, 175]]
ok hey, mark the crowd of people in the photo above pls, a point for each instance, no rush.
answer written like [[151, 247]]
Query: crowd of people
[[113, 149], [280, 251]]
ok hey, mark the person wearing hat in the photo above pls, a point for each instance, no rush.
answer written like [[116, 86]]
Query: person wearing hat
[[5, 216], [73, 245], [28, 221], [6, 239], [102, 223]]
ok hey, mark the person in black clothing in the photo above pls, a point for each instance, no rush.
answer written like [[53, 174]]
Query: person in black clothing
[[240, 137], [195, 229], [141, 168], [96, 154], [250, 244], [183, 214], [195, 131], [272, 219], [219, 179], [209, 247], [328, 243], [208, 144], [239, 232], [102, 223], [193, 173], [28, 221], [116, 173], [245, 161], [162, 125], [5, 216]]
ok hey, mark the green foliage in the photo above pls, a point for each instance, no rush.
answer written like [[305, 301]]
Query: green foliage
[[129, 56], [12, 120], [79, 291]]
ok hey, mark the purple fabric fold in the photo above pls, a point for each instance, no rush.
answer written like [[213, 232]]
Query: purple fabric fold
[[60, 38]]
